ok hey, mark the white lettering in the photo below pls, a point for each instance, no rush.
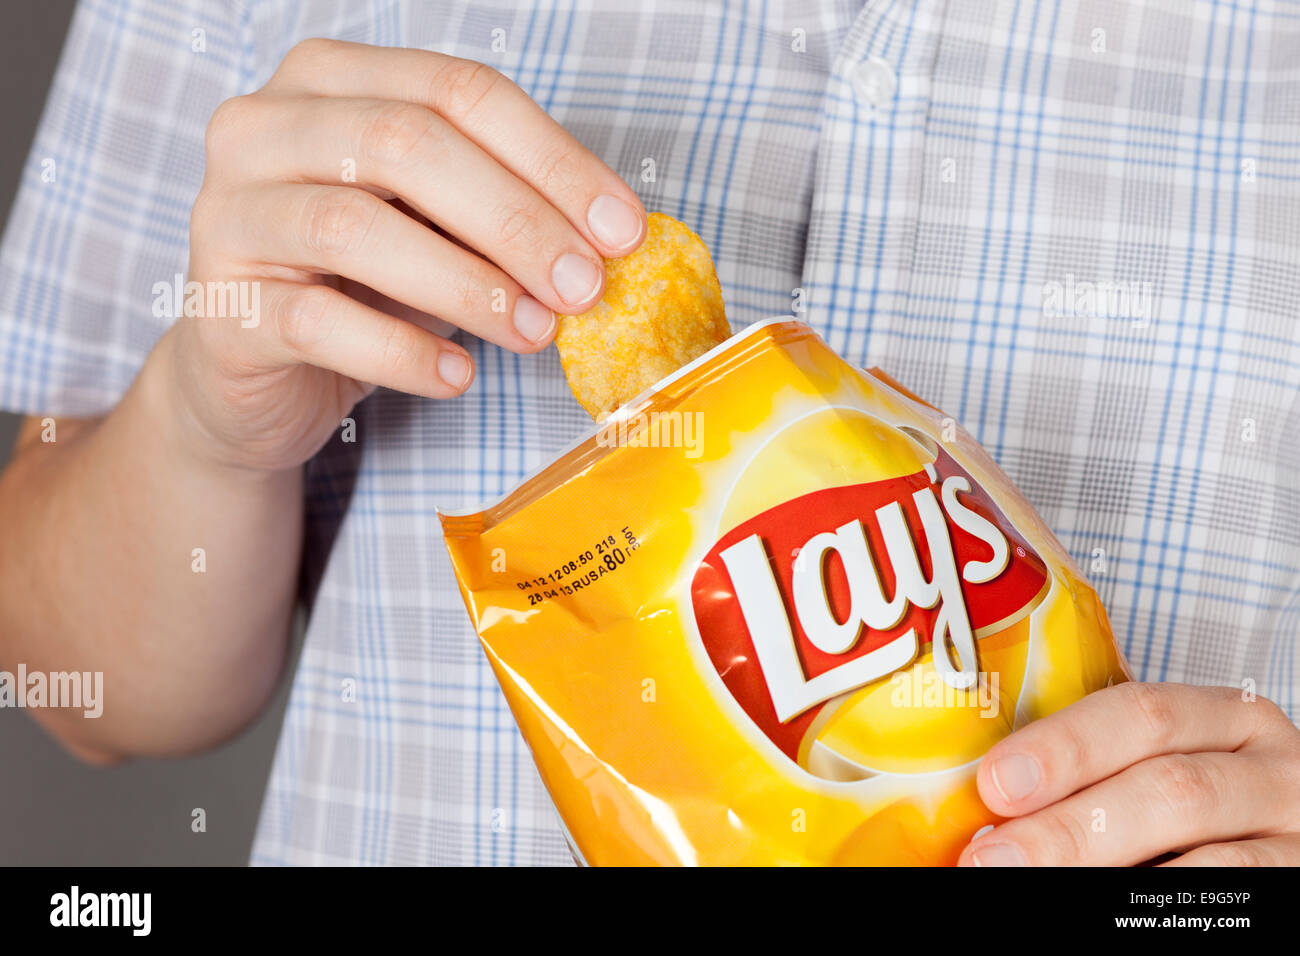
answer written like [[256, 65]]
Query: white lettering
[[953, 637], [769, 628]]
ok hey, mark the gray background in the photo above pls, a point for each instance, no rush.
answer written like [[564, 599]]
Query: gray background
[[54, 810]]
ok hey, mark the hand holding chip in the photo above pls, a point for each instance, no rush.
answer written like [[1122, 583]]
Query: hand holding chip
[[375, 198]]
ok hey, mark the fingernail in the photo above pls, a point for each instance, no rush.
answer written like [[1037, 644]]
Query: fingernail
[[999, 854], [453, 368], [1016, 776], [614, 222], [533, 320], [576, 279]]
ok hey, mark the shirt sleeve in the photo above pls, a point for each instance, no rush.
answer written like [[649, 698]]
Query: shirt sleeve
[[102, 211]]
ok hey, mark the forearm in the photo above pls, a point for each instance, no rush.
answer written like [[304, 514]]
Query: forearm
[[122, 551]]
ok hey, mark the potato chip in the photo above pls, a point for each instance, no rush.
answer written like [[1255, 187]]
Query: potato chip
[[662, 308]]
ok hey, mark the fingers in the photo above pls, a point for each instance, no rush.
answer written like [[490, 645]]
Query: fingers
[[489, 110], [350, 233], [1106, 732], [400, 310], [407, 150], [1161, 804], [1269, 851], [315, 325]]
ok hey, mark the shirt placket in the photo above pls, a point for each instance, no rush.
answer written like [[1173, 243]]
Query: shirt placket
[[869, 175]]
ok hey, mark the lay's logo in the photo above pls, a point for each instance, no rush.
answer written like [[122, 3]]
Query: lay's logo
[[834, 590]]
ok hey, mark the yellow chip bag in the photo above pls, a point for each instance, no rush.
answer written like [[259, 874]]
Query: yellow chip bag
[[773, 612], [662, 308]]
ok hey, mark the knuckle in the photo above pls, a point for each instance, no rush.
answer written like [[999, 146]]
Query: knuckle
[[339, 220], [558, 171], [1185, 786], [227, 123], [1154, 708], [1065, 837], [461, 85], [1270, 713], [397, 349], [466, 292], [1225, 697], [517, 224], [302, 320], [1075, 747], [307, 51], [394, 132]]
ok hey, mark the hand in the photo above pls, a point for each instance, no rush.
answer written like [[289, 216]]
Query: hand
[[1137, 771], [469, 205]]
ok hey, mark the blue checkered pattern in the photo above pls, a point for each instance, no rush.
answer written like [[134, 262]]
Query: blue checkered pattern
[[935, 185]]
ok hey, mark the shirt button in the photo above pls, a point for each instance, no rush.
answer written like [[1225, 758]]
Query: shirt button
[[875, 81]]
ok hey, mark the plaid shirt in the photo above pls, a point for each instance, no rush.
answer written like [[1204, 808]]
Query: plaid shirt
[[1074, 226]]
